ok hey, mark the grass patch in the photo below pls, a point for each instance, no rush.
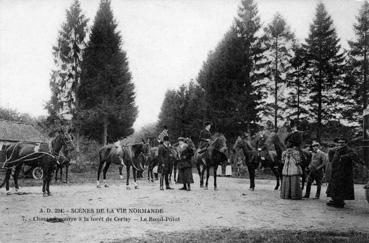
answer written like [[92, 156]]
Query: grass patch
[[237, 235]]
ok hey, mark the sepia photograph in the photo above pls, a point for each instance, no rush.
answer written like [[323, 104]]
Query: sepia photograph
[[184, 121]]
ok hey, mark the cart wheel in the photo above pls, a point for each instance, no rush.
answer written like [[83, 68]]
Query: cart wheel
[[37, 173]]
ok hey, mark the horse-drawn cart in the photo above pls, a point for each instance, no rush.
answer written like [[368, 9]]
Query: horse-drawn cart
[[30, 168]]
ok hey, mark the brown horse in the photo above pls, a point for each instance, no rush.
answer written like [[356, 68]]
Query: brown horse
[[124, 156], [17, 154], [214, 155], [253, 158], [62, 146]]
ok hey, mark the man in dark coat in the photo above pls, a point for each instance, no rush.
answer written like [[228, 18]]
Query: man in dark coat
[[164, 162], [341, 184]]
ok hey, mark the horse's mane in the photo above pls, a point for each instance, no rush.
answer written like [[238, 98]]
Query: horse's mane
[[218, 140]]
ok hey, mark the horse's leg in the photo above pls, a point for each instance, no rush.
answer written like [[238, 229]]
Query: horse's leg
[[7, 179], [215, 177], [251, 169], [207, 176], [276, 174], [44, 187], [134, 171], [61, 173], [56, 173], [15, 176], [175, 171], [120, 168], [199, 172], [98, 173], [66, 172], [106, 167], [127, 184]]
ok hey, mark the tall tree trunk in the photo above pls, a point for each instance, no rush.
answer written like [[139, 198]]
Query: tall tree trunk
[[298, 99], [276, 87], [319, 106], [105, 130]]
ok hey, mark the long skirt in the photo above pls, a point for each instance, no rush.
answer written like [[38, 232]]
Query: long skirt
[[185, 176], [291, 188], [228, 171]]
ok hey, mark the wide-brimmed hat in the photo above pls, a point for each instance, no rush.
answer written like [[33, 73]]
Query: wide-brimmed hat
[[207, 123], [340, 139], [182, 139]]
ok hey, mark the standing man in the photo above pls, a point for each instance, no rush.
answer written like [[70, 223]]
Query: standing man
[[341, 182], [163, 134], [164, 163], [318, 162]]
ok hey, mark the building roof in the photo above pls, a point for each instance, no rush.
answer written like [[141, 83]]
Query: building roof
[[15, 131]]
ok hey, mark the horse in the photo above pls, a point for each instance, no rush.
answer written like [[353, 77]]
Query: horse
[[214, 155], [255, 157], [124, 156], [18, 153], [61, 147]]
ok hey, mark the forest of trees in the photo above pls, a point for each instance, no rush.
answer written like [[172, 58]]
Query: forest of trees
[[91, 85], [259, 73]]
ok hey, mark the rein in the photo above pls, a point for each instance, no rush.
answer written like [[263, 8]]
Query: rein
[[29, 155]]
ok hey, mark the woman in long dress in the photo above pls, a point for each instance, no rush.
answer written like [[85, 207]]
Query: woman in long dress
[[184, 165], [291, 187]]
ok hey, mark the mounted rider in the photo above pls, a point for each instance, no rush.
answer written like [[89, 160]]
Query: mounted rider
[[204, 140], [266, 143]]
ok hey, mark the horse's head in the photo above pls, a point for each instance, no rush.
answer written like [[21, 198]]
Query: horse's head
[[67, 141], [219, 143]]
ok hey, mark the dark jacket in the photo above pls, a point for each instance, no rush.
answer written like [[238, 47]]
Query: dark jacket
[[164, 155], [204, 135], [185, 160], [341, 183]]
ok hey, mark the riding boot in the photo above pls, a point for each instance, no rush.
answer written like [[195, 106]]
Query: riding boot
[[308, 188], [318, 188]]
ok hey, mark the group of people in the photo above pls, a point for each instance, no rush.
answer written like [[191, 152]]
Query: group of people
[[337, 165], [185, 153]]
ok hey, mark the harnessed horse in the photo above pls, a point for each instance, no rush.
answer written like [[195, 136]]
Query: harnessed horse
[[17, 154], [124, 156], [61, 147], [215, 155]]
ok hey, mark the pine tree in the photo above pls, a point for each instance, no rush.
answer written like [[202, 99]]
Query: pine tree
[[65, 79], [252, 93], [297, 103], [222, 80], [106, 92], [357, 80], [67, 54], [324, 64], [279, 40]]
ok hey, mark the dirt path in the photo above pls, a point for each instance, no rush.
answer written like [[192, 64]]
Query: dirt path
[[198, 209]]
